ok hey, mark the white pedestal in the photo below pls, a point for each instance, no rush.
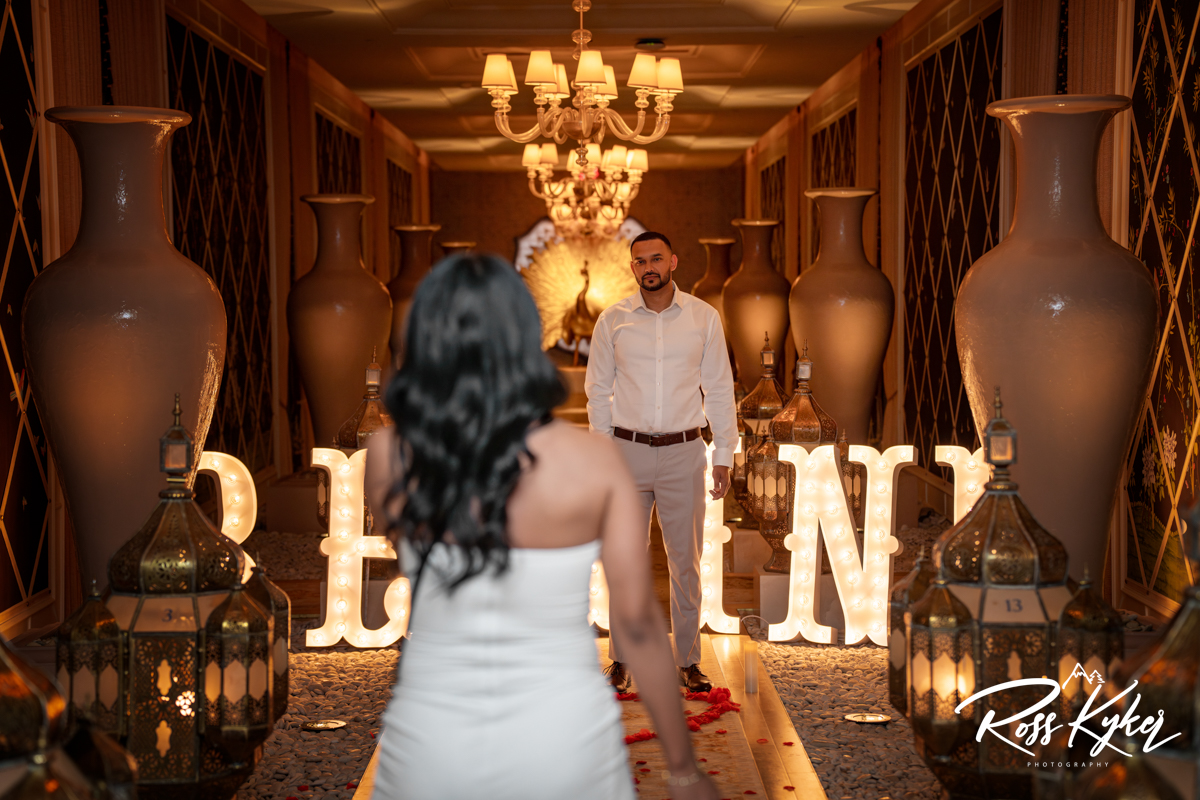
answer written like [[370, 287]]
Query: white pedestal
[[750, 551]]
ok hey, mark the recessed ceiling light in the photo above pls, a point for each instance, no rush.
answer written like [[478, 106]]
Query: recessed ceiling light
[[649, 45]]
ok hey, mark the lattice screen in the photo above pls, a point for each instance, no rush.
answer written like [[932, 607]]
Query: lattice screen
[[402, 210], [1163, 205], [339, 158], [24, 506], [833, 162], [771, 188], [952, 216], [219, 210]]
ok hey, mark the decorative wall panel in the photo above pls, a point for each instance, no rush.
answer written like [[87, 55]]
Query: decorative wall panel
[[1163, 205], [833, 162], [402, 210], [771, 188], [24, 505], [219, 215], [952, 217], [339, 158]]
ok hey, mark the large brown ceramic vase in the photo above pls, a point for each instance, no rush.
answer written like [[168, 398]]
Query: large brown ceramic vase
[[755, 300], [1063, 319], [338, 314], [843, 307], [118, 325], [416, 256], [716, 272]]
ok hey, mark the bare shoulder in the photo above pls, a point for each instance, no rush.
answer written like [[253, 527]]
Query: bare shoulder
[[575, 450]]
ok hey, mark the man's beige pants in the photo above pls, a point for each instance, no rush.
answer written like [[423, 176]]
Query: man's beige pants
[[671, 480]]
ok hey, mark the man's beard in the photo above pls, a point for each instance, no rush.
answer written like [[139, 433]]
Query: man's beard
[[653, 277]]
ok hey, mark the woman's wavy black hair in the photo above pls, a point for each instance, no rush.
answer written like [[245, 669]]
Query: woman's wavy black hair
[[474, 381]]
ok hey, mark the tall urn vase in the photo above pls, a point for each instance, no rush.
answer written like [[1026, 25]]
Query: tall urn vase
[[843, 308], [755, 299], [114, 328], [1063, 319], [338, 315], [716, 272], [416, 256]]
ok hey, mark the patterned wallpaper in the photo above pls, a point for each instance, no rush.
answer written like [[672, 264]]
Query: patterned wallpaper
[[24, 505], [1163, 201], [952, 216], [833, 162], [339, 158], [219, 215]]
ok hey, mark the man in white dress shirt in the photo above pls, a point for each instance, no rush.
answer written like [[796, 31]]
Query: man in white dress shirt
[[658, 367]]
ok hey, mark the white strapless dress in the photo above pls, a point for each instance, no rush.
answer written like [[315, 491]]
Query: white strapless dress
[[500, 693]]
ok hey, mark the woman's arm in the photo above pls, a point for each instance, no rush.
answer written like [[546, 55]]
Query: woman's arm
[[634, 610]]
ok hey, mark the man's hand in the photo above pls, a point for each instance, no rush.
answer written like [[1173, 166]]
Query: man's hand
[[720, 482]]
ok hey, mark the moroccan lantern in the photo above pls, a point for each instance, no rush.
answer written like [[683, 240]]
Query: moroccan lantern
[[910, 589], [941, 673], [90, 655], [1091, 644], [369, 418], [1010, 575], [277, 604], [194, 683], [1168, 676], [771, 485], [756, 410], [737, 475], [34, 762]]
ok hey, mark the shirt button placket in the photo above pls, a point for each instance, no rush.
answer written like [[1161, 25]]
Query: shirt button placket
[[658, 376]]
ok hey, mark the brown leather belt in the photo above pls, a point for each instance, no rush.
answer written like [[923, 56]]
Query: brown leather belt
[[657, 439]]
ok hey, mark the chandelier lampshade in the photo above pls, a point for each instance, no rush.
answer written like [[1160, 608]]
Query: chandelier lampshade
[[587, 119]]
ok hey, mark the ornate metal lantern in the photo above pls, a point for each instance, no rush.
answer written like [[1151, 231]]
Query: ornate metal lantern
[[941, 673], [90, 654], [756, 411], [1091, 644], [908, 591], [1168, 676], [771, 486], [194, 682], [802, 421], [34, 765], [369, 418], [279, 606], [737, 479], [1011, 575]]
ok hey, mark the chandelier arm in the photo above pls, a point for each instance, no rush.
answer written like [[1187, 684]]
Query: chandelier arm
[[660, 130], [620, 128], [521, 138]]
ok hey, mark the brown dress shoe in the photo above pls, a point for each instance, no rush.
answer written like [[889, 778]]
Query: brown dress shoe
[[693, 679], [619, 677]]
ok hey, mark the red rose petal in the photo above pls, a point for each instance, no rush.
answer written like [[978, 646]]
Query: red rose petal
[[303, 788], [639, 763], [644, 769], [788, 744], [705, 760], [350, 786], [714, 772], [635, 779], [749, 791], [722, 730], [762, 741], [790, 788]]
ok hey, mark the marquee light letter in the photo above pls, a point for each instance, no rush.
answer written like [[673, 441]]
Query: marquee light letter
[[712, 569], [239, 499], [971, 472], [820, 505], [346, 547]]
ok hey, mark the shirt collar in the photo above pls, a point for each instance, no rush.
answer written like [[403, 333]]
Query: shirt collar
[[640, 302]]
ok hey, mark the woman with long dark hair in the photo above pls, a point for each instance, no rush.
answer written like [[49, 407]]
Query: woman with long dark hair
[[499, 513]]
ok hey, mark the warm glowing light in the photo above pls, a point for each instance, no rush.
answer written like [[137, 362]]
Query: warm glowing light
[[235, 486], [346, 552], [966, 486], [865, 614]]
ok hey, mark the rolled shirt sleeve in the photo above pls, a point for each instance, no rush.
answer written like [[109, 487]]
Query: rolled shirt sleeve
[[600, 378]]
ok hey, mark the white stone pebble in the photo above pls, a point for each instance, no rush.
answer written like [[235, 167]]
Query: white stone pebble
[[819, 685]]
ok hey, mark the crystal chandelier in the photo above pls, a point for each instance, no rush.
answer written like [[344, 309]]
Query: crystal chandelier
[[590, 201], [588, 118]]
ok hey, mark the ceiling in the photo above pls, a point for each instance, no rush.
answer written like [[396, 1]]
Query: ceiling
[[419, 63]]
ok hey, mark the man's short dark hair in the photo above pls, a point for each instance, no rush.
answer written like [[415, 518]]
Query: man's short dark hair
[[650, 236]]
